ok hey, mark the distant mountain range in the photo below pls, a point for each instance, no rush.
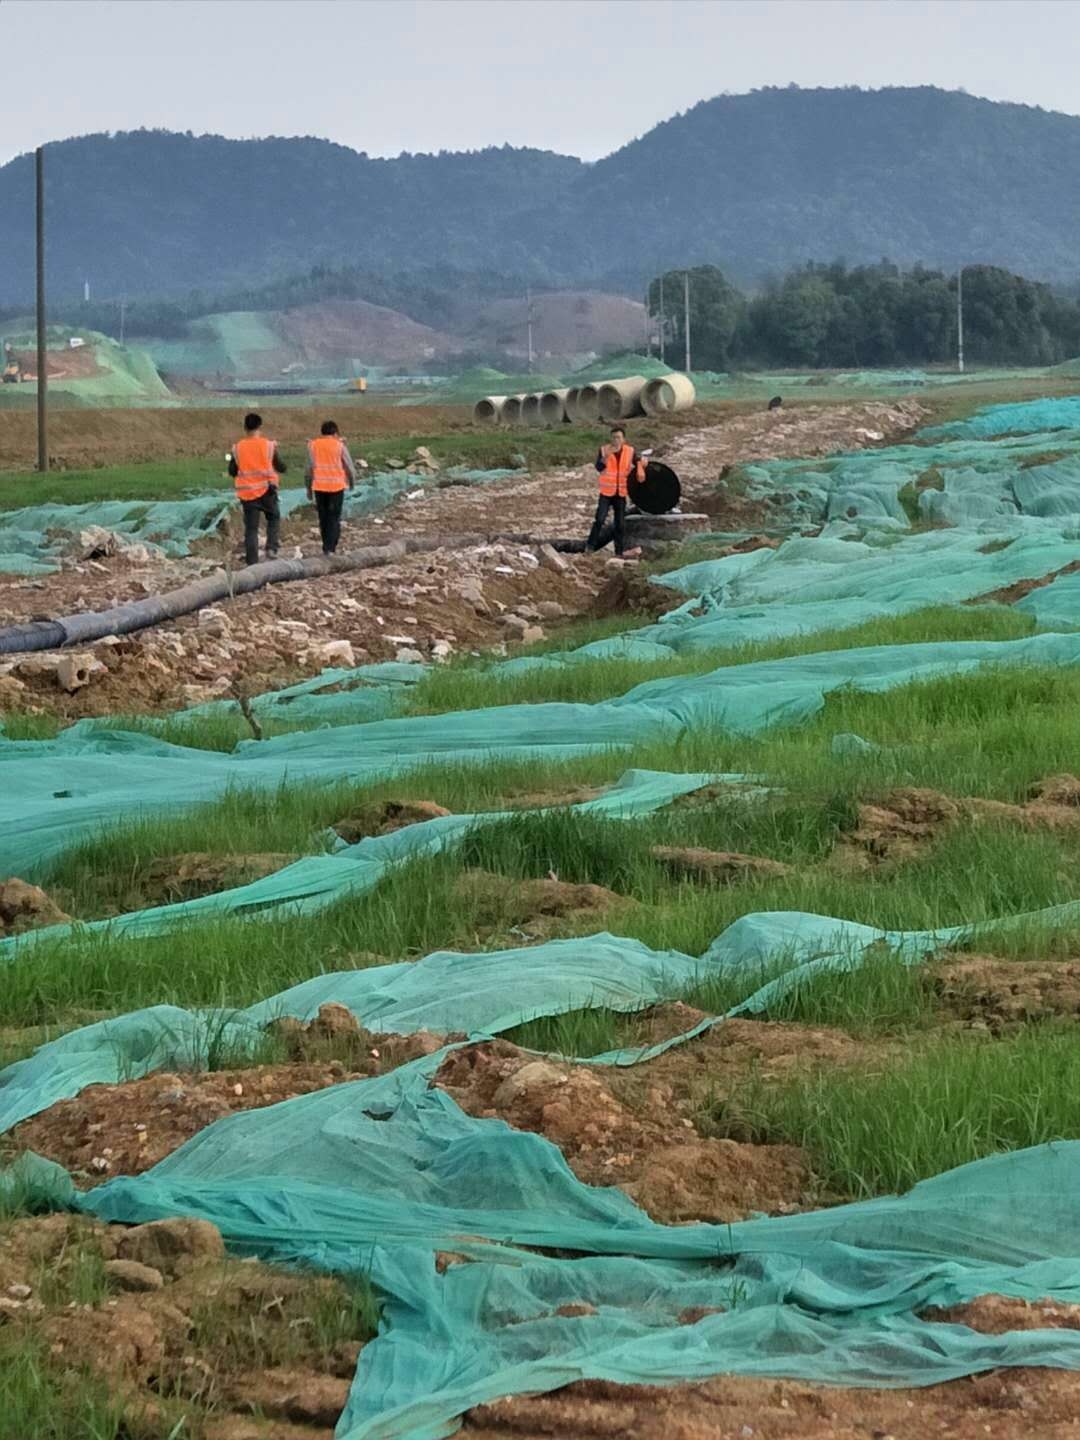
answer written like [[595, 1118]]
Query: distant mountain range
[[754, 183]]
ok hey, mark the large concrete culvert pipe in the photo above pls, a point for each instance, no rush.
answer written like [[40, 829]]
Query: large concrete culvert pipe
[[530, 410], [511, 411], [553, 407], [588, 404], [667, 393], [489, 410], [619, 399], [570, 405]]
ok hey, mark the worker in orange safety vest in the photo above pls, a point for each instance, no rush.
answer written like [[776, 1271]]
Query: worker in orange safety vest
[[616, 464], [255, 466], [330, 471]]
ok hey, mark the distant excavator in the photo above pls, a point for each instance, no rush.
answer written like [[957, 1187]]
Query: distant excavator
[[13, 370]]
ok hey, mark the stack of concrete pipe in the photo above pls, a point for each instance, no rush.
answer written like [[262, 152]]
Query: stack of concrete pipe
[[603, 401]]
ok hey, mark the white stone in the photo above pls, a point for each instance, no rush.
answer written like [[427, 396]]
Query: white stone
[[408, 656]]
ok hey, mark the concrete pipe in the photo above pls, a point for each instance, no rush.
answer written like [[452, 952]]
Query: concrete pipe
[[588, 404], [667, 393], [511, 411], [553, 407], [530, 410], [571, 402], [489, 410], [619, 399]]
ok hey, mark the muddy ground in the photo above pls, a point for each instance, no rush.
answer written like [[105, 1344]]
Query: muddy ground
[[443, 603]]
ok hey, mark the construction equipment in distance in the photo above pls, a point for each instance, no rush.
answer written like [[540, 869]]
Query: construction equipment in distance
[[13, 370]]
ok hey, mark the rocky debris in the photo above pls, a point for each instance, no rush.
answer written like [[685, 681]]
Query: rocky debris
[[130, 1275], [335, 1031], [380, 817], [650, 1150], [334, 652], [96, 543], [720, 867], [172, 1246], [303, 1398], [423, 462], [551, 559], [67, 671], [26, 907], [407, 655]]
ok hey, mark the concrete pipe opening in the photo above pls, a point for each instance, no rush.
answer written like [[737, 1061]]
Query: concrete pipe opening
[[667, 393], [620, 399], [571, 403], [553, 407], [511, 411], [489, 410], [530, 410], [588, 403]]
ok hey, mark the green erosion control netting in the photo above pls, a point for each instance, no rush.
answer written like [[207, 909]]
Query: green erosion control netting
[[564, 1281], [33, 539], [57, 793]]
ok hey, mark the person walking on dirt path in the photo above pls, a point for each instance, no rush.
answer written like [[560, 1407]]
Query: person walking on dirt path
[[329, 470], [255, 466], [616, 462]]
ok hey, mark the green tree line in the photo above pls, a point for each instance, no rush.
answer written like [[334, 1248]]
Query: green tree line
[[869, 316]]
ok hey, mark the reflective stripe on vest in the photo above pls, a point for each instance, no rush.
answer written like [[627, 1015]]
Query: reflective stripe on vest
[[616, 473], [254, 456], [327, 464]]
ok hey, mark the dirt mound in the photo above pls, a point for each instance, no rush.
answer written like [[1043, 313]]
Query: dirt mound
[[1010, 594], [720, 867], [26, 907], [169, 878], [1005, 1404], [986, 992], [125, 1129], [380, 817], [495, 901], [628, 592], [221, 1343], [998, 1314], [652, 1152]]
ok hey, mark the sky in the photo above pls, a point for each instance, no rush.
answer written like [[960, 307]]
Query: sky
[[578, 76]]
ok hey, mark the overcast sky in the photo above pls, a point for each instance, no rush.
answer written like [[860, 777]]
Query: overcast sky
[[578, 76]]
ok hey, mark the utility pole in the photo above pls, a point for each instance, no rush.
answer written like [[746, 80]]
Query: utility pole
[[960, 319], [661, 317], [123, 306], [686, 320], [529, 311], [42, 364], [648, 324]]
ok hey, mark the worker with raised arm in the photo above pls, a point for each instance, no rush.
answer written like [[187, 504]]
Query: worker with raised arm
[[255, 466], [330, 470], [616, 464]]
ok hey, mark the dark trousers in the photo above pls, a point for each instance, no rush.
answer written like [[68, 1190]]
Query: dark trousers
[[597, 539], [266, 504], [328, 504]]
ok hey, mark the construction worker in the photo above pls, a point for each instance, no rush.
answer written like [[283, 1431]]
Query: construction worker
[[616, 463], [255, 466], [329, 470]]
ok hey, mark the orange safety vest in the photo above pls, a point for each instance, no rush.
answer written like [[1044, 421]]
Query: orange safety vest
[[615, 476], [254, 456], [327, 466]]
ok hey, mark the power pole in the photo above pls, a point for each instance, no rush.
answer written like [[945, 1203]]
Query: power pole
[[42, 364], [686, 321], [648, 324], [123, 306], [529, 311], [662, 317], [960, 320]]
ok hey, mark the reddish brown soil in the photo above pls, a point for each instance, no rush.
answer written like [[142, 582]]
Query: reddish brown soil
[[1004, 1405], [985, 992], [544, 906], [1009, 594], [651, 1152], [998, 1314]]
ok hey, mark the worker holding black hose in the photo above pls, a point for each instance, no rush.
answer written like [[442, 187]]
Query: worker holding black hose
[[617, 464], [330, 470], [255, 466]]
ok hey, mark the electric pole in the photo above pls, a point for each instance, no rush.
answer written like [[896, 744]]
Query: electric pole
[[529, 312], [123, 306], [686, 321], [662, 317], [42, 364], [960, 319]]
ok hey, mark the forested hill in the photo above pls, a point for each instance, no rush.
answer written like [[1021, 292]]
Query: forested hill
[[753, 182]]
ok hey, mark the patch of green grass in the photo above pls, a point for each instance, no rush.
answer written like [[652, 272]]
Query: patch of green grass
[[881, 996], [38, 1400], [20, 725], [74, 1277], [880, 1131]]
